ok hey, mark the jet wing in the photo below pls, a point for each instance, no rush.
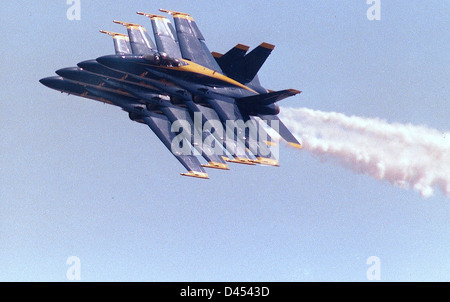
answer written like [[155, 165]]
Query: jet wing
[[161, 126], [191, 41], [194, 135], [214, 128]]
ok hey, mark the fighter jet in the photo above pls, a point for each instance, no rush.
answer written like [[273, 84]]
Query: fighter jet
[[179, 95], [178, 80]]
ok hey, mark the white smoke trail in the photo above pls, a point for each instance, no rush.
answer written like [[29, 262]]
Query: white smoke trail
[[405, 155]]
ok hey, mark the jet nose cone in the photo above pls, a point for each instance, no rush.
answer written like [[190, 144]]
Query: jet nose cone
[[87, 64], [110, 61], [44, 81], [67, 72], [50, 82]]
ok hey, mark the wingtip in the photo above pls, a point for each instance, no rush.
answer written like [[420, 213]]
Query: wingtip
[[241, 160], [214, 165], [196, 174], [267, 161]]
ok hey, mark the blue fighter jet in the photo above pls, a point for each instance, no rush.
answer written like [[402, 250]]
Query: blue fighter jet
[[197, 103]]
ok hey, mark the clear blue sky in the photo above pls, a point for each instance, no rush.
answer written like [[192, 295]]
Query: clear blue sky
[[78, 178]]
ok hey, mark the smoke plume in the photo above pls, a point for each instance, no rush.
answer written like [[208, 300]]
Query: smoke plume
[[408, 156]]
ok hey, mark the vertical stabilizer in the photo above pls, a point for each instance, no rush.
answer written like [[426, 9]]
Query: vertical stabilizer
[[246, 69]]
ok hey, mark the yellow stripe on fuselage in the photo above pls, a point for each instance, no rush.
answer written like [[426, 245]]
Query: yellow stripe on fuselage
[[199, 69]]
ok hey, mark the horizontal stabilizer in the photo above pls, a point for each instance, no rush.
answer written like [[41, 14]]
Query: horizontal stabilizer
[[283, 131], [267, 98]]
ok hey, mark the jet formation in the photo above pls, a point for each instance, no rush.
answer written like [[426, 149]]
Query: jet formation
[[200, 104]]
